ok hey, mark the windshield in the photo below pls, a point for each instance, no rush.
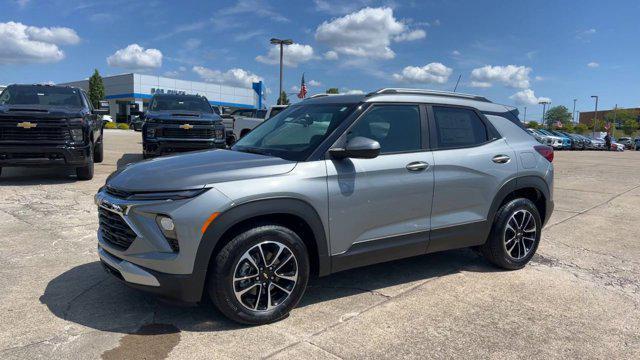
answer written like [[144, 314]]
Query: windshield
[[294, 133], [41, 95], [186, 103]]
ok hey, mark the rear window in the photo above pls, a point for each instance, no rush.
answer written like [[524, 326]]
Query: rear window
[[41, 95], [186, 103], [458, 127]]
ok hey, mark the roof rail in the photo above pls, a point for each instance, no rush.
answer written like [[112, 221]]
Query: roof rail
[[404, 91], [322, 95]]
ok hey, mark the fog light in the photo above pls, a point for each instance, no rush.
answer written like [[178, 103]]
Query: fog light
[[151, 132], [219, 134], [168, 229], [166, 223], [77, 135]]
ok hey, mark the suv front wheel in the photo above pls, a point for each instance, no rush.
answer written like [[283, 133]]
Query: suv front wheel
[[260, 275], [515, 235]]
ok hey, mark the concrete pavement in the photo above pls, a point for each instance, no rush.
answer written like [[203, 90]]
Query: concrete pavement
[[579, 298]]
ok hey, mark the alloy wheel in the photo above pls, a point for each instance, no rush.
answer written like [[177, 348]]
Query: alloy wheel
[[520, 234], [265, 276]]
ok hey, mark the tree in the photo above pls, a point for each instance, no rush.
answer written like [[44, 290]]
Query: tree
[[333, 91], [581, 128], [629, 126], [283, 100], [621, 116], [558, 113], [96, 89], [533, 125], [599, 125], [568, 127]]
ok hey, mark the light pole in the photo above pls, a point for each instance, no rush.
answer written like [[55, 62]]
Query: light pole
[[524, 119], [573, 114], [544, 104], [595, 119], [280, 42]]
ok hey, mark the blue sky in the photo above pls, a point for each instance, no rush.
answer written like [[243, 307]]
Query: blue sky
[[514, 52]]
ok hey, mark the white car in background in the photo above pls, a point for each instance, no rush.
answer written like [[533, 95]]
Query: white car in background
[[244, 120]]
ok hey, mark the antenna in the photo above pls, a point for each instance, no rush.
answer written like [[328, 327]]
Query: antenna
[[457, 82]]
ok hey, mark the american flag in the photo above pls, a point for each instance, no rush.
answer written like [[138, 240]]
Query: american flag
[[303, 89]]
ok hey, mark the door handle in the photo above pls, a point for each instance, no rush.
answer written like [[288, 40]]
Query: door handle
[[501, 159], [417, 166]]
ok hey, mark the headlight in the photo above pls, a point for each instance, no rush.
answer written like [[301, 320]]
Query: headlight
[[219, 134], [77, 135], [168, 195]]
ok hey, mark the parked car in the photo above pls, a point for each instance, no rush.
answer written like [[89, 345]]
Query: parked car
[[47, 125], [136, 123], [539, 137], [329, 184], [576, 142], [616, 146], [597, 143], [554, 141], [566, 141], [244, 120], [627, 142], [178, 123], [637, 143]]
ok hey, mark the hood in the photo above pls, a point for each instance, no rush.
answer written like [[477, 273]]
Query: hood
[[183, 115], [195, 170], [41, 111]]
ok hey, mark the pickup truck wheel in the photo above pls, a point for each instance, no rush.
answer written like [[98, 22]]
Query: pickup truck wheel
[[98, 153], [86, 172], [515, 235], [260, 275]]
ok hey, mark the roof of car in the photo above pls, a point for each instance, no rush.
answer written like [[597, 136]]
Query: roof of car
[[412, 95]]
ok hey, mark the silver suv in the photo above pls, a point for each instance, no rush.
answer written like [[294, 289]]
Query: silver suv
[[329, 184]]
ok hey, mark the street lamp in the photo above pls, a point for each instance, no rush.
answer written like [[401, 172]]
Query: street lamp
[[544, 104], [595, 119], [573, 114], [280, 42]]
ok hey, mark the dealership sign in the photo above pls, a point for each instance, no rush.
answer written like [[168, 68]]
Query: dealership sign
[[167, 91]]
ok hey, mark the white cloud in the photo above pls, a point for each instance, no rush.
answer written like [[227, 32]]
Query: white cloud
[[433, 73], [353, 91], [233, 77], [339, 7], [480, 84], [411, 35], [25, 44], [254, 7], [456, 53], [510, 75], [192, 44], [22, 3], [171, 74], [136, 57], [527, 97], [331, 55], [182, 68], [293, 55], [295, 88], [366, 33], [539, 78], [593, 64], [314, 83]]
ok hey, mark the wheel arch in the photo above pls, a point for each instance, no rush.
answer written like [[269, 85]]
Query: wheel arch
[[294, 213], [532, 187]]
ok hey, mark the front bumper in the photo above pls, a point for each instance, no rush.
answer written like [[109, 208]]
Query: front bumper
[[44, 155], [162, 146]]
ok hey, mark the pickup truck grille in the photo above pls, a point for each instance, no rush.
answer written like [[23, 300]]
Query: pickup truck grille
[[49, 130], [115, 230], [188, 134]]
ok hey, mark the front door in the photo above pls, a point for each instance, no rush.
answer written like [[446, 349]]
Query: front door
[[379, 208]]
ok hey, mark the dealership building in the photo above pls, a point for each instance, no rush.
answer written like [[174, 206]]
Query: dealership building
[[124, 90]]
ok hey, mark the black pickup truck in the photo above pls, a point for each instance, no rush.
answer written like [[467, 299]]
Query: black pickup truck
[[47, 125], [177, 123]]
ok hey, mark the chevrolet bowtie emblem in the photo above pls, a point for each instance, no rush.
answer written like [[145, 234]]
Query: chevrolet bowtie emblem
[[186, 127], [27, 125]]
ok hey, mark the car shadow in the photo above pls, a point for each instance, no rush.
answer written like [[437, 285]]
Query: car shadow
[[37, 175], [88, 296], [127, 159]]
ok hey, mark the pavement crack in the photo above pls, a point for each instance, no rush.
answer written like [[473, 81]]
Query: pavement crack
[[363, 290], [68, 307]]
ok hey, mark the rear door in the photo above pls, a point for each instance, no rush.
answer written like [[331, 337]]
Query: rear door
[[471, 162], [379, 208]]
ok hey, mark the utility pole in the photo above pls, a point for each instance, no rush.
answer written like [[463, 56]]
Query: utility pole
[[544, 109], [573, 114], [615, 117], [524, 119], [595, 119], [280, 42]]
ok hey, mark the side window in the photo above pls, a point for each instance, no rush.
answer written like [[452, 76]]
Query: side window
[[86, 100], [395, 127], [457, 127]]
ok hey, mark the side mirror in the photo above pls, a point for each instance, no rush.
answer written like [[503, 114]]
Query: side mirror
[[357, 148]]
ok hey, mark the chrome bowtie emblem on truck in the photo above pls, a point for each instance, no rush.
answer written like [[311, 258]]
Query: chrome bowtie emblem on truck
[[186, 126], [26, 125]]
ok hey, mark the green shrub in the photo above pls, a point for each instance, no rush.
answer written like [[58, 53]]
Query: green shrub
[[123, 126], [110, 125]]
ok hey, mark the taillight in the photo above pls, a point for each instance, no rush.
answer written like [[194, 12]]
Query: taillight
[[545, 151]]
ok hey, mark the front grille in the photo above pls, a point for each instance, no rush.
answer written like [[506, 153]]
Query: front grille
[[115, 230], [49, 130], [118, 193], [188, 134]]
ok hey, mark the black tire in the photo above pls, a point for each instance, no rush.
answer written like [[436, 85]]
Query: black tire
[[86, 172], [496, 249], [227, 262], [98, 152]]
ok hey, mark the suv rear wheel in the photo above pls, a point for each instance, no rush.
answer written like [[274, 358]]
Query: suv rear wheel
[[260, 275], [515, 235]]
